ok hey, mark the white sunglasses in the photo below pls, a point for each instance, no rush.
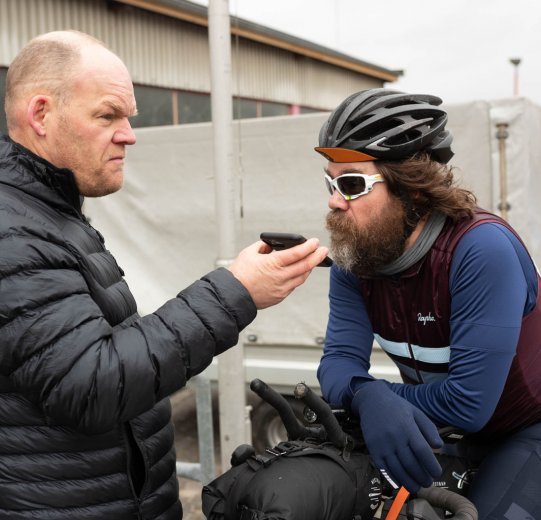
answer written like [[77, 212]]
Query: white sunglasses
[[352, 185]]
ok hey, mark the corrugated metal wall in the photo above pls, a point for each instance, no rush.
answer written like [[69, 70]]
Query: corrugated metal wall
[[171, 53], [269, 73]]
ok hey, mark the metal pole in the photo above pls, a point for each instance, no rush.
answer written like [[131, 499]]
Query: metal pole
[[204, 470], [515, 62], [230, 364], [205, 433], [502, 134]]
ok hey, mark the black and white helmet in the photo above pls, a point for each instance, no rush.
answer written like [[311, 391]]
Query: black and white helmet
[[388, 125]]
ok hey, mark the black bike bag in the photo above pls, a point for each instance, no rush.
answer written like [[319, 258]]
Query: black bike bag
[[298, 480]]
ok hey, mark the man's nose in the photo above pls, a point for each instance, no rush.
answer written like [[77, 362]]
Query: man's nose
[[336, 201], [124, 134]]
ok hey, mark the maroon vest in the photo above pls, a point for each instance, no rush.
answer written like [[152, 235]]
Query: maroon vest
[[401, 307]]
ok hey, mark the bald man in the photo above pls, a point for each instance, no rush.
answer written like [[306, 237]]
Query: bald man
[[85, 419]]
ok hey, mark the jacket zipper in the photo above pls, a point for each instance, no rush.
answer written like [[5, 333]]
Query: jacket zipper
[[129, 459]]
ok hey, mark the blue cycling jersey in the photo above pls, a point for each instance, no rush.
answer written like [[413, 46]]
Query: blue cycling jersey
[[460, 379]]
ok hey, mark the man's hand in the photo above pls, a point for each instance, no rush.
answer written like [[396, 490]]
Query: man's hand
[[271, 276], [398, 435]]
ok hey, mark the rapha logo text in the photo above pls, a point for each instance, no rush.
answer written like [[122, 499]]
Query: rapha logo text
[[425, 319]]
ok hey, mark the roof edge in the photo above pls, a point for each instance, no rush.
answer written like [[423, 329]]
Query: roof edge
[[198, 14]]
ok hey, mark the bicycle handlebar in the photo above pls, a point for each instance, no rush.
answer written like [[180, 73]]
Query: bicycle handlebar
[[460, 506], [324, 413], [295, 430]]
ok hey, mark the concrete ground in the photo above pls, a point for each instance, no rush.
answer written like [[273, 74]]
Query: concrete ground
[[190, 496]]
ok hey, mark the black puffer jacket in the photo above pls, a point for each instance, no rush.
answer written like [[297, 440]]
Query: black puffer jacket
[[85, 419]]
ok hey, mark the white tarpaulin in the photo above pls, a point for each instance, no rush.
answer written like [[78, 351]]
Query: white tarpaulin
[[161, 225]]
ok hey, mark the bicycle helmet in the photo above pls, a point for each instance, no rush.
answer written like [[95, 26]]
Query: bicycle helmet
[[385, 124]]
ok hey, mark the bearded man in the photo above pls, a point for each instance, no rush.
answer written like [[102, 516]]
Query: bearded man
[[448, 291]]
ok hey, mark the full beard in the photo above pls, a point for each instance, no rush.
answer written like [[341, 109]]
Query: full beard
[[364, 251]]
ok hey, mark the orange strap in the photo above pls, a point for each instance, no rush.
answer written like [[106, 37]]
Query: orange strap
[[397, 504]]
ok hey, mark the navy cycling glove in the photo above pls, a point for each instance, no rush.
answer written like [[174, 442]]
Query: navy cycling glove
[[399, 436]]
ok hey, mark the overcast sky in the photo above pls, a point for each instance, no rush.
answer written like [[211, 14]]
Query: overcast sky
[[458, 49]]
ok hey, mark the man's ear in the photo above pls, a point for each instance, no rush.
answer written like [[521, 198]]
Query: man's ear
[[36, 114]]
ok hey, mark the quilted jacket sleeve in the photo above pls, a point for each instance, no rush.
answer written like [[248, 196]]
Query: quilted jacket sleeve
[[59, 351]]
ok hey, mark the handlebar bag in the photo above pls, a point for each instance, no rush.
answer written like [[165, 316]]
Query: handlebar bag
[[457, 475], [298, 480]]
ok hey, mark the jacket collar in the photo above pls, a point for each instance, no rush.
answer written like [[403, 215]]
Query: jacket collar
[[30, 173]]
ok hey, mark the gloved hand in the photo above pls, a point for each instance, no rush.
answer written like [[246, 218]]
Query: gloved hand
[[398, 436]]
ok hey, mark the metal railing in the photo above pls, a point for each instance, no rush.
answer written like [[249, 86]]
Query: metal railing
[[204, 470]]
